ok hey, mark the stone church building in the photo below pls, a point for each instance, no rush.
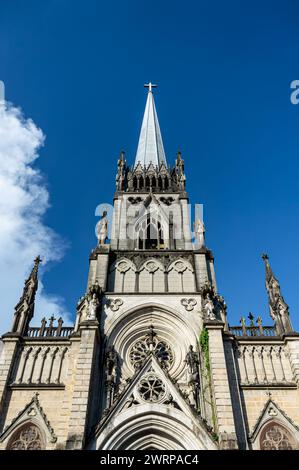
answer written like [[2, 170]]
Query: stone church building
[[151, 361]]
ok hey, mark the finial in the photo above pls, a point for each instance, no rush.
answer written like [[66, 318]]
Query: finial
[[37, 260], [265, 256], [150, 86], [52, 319], [251, 318]]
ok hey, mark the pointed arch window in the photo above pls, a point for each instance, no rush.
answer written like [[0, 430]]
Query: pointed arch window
[[150, 234], [276, 437], [27, 437]]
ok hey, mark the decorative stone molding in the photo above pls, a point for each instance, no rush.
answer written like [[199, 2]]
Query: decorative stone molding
[[33, 412], [123, 266], [150, 343], [151, 266], [275, 420], [189, 304], [180, 266], [114, 304]]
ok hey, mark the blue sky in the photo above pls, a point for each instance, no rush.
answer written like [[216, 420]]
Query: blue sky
[[224, 71]]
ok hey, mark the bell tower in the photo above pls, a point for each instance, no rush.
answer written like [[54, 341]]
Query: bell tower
[[159, 298]]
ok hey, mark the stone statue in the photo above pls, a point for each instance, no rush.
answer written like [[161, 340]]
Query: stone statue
[[209, 308], [92, 308], [199, 230], [111, 361], [192, 363], [102, 229]]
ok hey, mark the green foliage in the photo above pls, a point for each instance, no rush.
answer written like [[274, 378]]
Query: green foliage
[[204, 344]]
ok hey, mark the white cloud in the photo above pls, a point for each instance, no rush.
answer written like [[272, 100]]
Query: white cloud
[[24, 199]]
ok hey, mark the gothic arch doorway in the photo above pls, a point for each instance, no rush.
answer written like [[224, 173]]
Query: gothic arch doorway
[[147, 427]]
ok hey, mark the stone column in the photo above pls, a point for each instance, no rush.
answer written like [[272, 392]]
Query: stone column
[[7, 359], [84, 364], [186, 224], [115, 224], [122, 236], [220, 387], [293, 345], [98, 268], [201, 271]]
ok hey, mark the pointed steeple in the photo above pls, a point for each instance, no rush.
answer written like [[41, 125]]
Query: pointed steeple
[[25, 307], [279, 310], [269, 272], [150, 145]]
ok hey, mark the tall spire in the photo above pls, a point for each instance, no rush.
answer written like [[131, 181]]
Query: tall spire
[[25, 307], [150, 145], [279, 310]]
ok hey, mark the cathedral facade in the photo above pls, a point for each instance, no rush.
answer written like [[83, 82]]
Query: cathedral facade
[[151, 361]]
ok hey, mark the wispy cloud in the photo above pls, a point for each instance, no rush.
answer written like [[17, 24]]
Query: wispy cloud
[[24, 199]]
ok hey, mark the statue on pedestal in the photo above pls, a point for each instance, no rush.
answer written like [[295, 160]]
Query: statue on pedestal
[[208, 308], [92, 308], [102, 229], [192, 363], [199, 230]]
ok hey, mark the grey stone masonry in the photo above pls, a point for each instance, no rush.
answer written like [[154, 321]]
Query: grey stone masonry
[[293, 344], [82, 384], [98, 268], [6, 364], [219, 379]]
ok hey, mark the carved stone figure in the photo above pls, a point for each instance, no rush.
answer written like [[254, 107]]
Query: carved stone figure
[[111, 362], [209, 308], [102, 229], [92, 308], [199, 230], [192, 364]]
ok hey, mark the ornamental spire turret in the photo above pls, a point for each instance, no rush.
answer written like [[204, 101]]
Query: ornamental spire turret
[[279, 310], [25, 307], [150, 146]]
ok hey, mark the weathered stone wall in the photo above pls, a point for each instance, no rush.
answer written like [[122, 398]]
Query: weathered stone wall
[[64, 401], [264, 370]]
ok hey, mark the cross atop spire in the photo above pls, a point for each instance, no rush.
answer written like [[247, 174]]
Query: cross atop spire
[[150, 146], [150, 85]]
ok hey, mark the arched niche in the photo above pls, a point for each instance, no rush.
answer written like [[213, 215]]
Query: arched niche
[[125, 329]]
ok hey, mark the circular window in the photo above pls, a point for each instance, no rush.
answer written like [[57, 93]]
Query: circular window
[[142, 348], [151, 389]]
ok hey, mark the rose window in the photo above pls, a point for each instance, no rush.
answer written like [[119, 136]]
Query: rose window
[[152, 389], [143, 347], [28, 438]]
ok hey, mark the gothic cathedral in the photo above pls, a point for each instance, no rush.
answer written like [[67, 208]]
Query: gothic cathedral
[[151, 361]]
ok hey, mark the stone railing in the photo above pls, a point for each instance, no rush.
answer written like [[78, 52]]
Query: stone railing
[[50, 331], [37, 332], [253, 331]]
